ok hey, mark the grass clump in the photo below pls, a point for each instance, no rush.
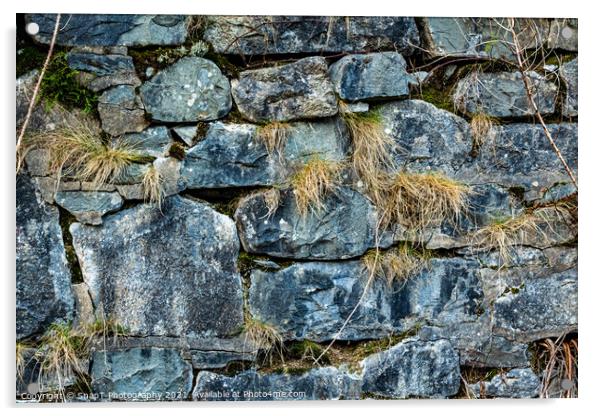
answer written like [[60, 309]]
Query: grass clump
[[21, 363], [265, 337], [481, 126], [421, 200], [274, 135], [272, 201], [397, 264], [313, 182], [152, 184]]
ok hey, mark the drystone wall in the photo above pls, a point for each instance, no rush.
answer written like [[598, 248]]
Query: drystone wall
[[227, 255]]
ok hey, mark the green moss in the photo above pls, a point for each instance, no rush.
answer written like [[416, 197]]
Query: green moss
[[28, 59], [177, 151], [306, 350], [438, 97], [228, 68], [60, 85]]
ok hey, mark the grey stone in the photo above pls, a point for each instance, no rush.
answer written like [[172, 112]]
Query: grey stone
[[84, 310], [140, 276], [132, 174], [373, 75], [38, 162], [564, 34], [151, 142], [539, 308], [133, 192], [192, 89], [413, 368], [89, 207], [141, 374], [43, 278], [503, 94], [186, 133], [518, 383], [310, 300], [427, 138], [261, 35], [98, 64], [121, 78], [326, 139], [326, 383], [569, 74], [481, 37], [48, 187], [169, 169], [345, 228], [293, 91], [121, 111], [111, 29], [218, 359]]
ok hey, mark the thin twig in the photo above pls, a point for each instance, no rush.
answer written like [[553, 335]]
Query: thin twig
[[36, 90]]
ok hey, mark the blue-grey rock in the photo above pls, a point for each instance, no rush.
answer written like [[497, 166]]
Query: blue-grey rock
[[518, 383], [503, 94], [370, 76], [325, 383], [151, 142], [345, 228], [89, 207], [43, 277], [299, 90], [413, 368], [541, 307], [564, 34], [169, 271], [569, 74], [103, 70], [192, 89], [481, 37], [121, 111], [311, 300], [141, 374], [186, 133], [111, 29], [326, 139], [310, 34]]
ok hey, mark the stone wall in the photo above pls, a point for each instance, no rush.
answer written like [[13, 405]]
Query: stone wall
[[228, 248]]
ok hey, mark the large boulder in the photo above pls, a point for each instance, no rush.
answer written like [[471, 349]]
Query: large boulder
[[373, 75], [43, 278], [111, 29], [503, 94], [326, 383], [121, 111], [569, 74], [413, 368], [169, 271], [192, 89], [262, 35], [293, 91], [345, 228], [141, 374]]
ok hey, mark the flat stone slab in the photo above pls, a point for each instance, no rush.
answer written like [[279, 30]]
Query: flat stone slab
[[121, 111], [261, 35], [151, 142], [518, 383], [299, 90], [141, 374], [168, 272], [413, 368], [43, 278], [325, 383], [89, 207], [111, 29]]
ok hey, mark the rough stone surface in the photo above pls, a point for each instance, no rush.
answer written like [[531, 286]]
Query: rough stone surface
[[568, 73], [121, 111], [103, 70], [43, 277], [344, 229], [413, 368], [326, 383], [261, 35], [503, 94], [373, 75], [186, 133], [141, 374], [192, 89], [311, 300], [111, 29], [84, 310], [564, 34], [539, 308], [170, 272], [518, 383], [89, 207], [151, 142], [293, 91]]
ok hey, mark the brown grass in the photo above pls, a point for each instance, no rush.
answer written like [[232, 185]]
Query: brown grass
[[274, 135], [21, 347], [272, 201], [152, 183], [482, 127], [421, 200], [313, 182], [266, 338], [397, 264], [558, 361]]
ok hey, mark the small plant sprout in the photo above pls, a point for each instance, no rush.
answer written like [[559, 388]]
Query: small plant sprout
[[274, 135], [152, 183], [313, 182]]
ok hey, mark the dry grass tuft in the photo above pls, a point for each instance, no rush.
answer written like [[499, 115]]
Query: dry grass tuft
[[481, 126], [265, 337], [152, 183], [20, 359], [372, 151], [272, 201], [79, 150], [396, 264], [421, 200], [557, 360], [274, 135], [312, 182]]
